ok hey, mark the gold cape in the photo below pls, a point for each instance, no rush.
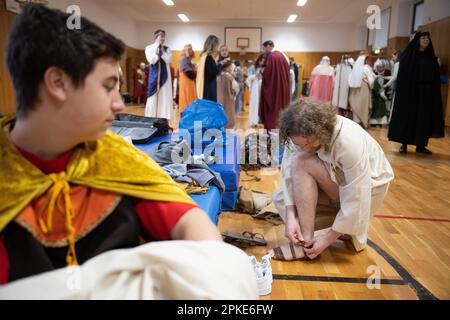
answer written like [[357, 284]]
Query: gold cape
[[109, 164]]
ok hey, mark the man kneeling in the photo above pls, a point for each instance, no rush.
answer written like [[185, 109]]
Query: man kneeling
[[334, 174]]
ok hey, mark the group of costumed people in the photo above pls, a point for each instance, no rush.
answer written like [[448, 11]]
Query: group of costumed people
[[217, 78], [403, 93]]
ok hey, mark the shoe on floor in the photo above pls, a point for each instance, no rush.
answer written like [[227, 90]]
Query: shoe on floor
[[263, 273], [403, 149], [423, 150]]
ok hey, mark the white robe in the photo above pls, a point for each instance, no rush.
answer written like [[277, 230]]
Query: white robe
[[255, 94], [188, 270], [160, 105], [341, 88], [359, 166]]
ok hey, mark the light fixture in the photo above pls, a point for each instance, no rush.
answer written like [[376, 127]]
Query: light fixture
[[292, 18], [169, 2], [183, 17], [301, 3]]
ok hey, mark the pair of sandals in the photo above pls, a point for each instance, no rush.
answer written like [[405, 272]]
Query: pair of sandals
[[245, 239]]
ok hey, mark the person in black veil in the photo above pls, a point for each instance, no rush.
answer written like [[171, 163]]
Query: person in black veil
[[417, 112]]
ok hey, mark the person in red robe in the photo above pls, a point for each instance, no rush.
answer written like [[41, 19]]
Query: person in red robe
[[140, 79], [275, 90]]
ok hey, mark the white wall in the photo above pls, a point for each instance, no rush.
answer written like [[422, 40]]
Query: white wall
[[106, 17], [435, 10], [401, 18], [295, 37]]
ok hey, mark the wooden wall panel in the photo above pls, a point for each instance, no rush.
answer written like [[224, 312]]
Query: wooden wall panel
[[133, 57], [7, 94], [440, 35], [397, 43]]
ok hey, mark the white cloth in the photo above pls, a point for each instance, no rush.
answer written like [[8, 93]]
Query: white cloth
[[324, 68], [360, 72], [359, 166], [187, 270], [160, 105], [341, 87], [255, 95], [292, 81], [393, 78]]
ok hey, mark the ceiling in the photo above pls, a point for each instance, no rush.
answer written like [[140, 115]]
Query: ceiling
[[315, 11]]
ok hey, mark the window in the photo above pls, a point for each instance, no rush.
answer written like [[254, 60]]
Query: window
[[417, 16], [380, 39]]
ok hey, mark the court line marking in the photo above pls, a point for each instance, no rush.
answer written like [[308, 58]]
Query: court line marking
[[335, 279], [383, 216], [407, 279]]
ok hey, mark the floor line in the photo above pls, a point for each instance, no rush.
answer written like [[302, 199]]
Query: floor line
[[422, 292], [382, 216], [335, 279]]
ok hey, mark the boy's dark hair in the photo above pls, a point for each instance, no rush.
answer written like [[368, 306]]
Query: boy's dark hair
[[268, 43], [40, 39]]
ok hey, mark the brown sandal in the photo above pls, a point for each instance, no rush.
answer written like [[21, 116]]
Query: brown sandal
[[244, 239], [288, 252]]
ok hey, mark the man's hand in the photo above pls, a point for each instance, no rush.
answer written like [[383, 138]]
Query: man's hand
[[319, 243], [292, 229]]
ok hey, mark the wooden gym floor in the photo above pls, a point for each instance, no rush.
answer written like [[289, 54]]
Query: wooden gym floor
[[409, 238]]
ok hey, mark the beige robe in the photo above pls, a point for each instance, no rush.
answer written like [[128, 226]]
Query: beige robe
[[360, 99], [358, 165], [225, 96]]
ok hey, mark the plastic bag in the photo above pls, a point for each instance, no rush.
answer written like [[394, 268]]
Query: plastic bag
[[204, 120], [209, 113]]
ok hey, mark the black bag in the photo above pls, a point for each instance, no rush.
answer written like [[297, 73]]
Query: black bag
[[161, 124], [139, 132]]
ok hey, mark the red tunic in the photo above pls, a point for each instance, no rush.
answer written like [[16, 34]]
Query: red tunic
[[275, 90], [157, 218]]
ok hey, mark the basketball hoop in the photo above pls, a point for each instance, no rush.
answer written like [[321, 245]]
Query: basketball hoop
[[242, 50]]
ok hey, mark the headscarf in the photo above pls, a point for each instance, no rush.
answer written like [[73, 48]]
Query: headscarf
[[357, 74], [323, 68]]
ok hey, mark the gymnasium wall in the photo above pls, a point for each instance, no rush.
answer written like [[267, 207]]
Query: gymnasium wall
[[299, 37], [7, 95]]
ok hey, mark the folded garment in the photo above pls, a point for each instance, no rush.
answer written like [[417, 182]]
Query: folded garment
[[175, 169], [202, 176], [259, 205], [171, 153]]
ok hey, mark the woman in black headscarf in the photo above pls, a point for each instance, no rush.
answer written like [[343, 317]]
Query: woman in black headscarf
[[417, 113]]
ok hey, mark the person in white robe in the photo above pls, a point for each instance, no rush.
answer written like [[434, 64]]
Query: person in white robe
[[361, 81], [333, 174], [254, 83], [160, 100], [390, 85], [341, 88]]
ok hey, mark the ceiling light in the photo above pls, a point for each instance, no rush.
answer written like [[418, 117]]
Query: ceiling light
[[301, 3], [169, 2], [183, 17], [292, 18]]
